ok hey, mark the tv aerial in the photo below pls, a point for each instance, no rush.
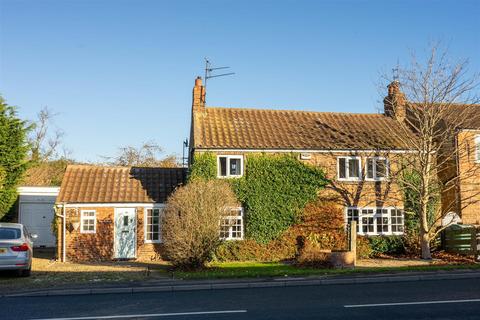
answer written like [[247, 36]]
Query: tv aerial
[[209, 72]]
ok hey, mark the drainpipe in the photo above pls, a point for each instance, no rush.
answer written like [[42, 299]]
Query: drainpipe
[[64, 232]]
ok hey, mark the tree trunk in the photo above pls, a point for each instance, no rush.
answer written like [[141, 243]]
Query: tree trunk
[[425, 244]]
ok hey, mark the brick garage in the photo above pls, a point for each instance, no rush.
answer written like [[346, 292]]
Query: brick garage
[[113, 212]]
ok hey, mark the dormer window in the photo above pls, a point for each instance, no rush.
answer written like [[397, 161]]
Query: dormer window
[[230, 166], [377, 169], [349, 168]]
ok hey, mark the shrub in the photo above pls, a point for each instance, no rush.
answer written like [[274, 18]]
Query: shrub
[[363, 248], [386, 245], [191, 222]]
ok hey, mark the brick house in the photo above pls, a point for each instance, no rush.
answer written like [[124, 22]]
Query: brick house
[[113, 212], [459, 157], [360, 152]]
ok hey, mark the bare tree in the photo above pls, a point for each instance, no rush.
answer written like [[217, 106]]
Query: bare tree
[[44, 139], [435, 100], [147, 155], [190, 226]]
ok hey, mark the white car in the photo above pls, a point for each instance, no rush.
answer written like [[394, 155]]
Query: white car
[[16, 248]]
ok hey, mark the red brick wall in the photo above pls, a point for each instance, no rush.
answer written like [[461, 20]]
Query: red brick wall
[[99, 246]]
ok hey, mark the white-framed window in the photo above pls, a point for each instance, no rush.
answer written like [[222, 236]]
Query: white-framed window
[[349, 168], [376, 221], [153, 225], [377, 168], [231, 225], [477, 149], [88, 221], [229, 166]]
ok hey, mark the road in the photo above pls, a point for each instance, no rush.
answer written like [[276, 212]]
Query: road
[[446, 299]]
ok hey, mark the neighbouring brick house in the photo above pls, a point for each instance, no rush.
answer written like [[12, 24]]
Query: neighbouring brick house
[[360, 152], [459, 158], [113, 212]]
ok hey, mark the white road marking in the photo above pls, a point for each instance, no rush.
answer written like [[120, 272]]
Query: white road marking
[[149, 315], [408, 303]]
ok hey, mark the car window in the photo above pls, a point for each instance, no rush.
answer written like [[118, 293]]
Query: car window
[[7, 233]]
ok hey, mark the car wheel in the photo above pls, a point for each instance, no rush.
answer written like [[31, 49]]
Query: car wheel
[[25, 272]]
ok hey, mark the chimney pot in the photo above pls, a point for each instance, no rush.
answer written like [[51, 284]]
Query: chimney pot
[[198, 81]]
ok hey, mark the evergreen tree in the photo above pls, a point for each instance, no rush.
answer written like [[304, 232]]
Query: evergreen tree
[[13, 154]]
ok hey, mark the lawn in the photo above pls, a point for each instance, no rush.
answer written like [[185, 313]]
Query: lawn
[[226, 270], [47, 273]]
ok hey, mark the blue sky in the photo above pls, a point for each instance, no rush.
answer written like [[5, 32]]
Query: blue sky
[[121, 72]]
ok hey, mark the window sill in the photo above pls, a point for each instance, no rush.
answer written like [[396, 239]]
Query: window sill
[[152, 241], [229, 177], [349, 180], [377, 180], [88, 232]]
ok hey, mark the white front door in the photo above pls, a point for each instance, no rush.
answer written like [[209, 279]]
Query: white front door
[[125, 233]]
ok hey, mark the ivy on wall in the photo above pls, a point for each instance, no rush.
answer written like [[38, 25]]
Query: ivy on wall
[[204, 166], [273, 191]]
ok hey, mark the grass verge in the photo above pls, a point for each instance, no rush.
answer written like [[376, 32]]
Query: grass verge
[[232, 270]]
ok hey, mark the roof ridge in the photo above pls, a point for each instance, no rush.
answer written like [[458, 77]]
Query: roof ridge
[[299, 111], [103, 166]]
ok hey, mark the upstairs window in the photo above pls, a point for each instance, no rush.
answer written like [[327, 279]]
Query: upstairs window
[[231, 226], [230, 166], [88, 221], [152, 225], [377, 169], [477, 149], [349, 168]]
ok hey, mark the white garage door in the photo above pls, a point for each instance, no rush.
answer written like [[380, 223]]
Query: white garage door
[[37, 217]]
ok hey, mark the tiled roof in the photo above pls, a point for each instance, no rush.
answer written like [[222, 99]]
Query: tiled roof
[[467, 116], [101, 184], [218, 128]]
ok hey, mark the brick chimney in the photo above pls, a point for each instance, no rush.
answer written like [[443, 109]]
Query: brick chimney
[[198, 99], [395, 102]]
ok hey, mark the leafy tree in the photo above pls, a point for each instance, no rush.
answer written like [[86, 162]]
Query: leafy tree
[[13, 154]]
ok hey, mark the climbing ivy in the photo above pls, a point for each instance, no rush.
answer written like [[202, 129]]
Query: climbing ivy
[[273, 191], [204, 166]]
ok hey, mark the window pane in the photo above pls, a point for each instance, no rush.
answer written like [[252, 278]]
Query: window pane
[[235, 167], [223, 166], [342, 168], [370, 168], [353, 168], [381, 166]]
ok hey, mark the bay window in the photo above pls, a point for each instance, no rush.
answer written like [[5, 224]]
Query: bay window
[[376, 221]]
